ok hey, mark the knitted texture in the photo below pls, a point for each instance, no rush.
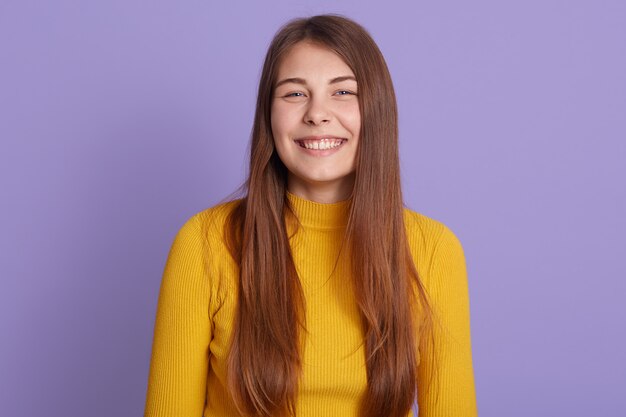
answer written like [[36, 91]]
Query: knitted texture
[[197, 301]]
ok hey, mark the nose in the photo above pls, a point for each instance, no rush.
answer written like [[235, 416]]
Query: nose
[[317, 112]]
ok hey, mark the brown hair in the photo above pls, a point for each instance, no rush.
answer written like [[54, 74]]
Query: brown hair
[[264, 362]]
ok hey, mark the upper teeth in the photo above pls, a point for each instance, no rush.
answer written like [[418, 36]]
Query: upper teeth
[[321, 144]]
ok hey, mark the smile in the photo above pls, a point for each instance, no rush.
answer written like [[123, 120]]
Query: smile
[[320, 143]]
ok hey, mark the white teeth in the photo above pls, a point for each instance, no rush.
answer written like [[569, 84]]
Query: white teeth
[[322, 144]]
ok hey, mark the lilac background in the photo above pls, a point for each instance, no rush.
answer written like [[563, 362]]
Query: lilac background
[[120, 119]]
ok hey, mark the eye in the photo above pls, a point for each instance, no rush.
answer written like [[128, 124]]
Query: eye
[[345, 93], [294, 94]]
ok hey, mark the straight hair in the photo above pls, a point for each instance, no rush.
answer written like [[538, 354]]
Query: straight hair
[[264, 362]]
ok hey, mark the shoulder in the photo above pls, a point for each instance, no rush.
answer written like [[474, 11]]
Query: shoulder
[[197, 262], [214, 218], [210, 222], [420, 226], [203, 234], [425, 231], [430, 240], [202, 241]]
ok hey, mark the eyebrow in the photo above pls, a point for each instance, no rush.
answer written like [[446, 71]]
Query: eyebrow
[[302, 81]]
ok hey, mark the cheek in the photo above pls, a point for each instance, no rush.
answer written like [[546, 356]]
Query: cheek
[[351, 116], [280, 121], [355, 130], [355, 122], [278, 125]]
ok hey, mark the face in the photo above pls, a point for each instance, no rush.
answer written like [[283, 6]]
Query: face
[[316, 121]]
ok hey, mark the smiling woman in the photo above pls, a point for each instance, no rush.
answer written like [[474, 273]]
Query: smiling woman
[[318, 293], [315, 122]]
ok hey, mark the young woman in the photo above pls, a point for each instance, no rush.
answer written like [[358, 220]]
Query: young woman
[[318, 293]]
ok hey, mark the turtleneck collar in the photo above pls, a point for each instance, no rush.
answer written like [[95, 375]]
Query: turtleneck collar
[[320, 215]]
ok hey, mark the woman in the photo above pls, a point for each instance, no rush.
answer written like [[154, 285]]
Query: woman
[[318, 293]]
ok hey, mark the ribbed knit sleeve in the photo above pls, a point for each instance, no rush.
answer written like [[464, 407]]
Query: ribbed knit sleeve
[[453, 391], [182, 330]]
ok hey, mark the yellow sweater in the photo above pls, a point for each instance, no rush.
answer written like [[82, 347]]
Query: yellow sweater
[[197, 302]]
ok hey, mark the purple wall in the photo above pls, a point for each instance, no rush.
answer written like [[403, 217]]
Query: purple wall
[[120, 119]]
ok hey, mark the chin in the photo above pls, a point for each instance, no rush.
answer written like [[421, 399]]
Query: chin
[[324, 178]]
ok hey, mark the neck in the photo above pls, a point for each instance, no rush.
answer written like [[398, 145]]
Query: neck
[[323, 192], [317, 215]]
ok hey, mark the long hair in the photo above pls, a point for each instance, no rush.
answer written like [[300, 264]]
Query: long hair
[[264, 362]]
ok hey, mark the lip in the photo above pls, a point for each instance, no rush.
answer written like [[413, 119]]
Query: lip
[[320, 152], [319, 137]]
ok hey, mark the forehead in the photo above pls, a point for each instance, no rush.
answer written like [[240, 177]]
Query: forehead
[[311, 60]]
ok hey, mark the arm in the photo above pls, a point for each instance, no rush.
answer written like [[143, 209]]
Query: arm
[[182, 330], [452, 392]]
